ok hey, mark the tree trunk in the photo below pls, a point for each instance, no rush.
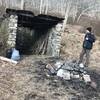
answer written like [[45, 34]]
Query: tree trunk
[[22, 4], [46, 10], [66, 15], [41, 4]]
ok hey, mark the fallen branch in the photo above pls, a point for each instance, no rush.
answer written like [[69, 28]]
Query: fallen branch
[[8, 60]]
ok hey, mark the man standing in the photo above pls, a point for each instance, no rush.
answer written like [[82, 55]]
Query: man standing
[[89, 39]]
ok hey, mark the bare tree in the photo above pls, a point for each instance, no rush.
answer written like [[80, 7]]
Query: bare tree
[[66, 14], [65, 8], [46, 7], [85, 10], [22, 4], [41, 4]]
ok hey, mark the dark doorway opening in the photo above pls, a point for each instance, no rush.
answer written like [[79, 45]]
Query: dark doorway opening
[[29, 41]]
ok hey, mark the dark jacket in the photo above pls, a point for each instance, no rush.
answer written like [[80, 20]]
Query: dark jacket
[[88, 44]]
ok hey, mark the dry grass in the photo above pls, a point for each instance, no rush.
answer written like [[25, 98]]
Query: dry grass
[[72, 41], [3, 36]]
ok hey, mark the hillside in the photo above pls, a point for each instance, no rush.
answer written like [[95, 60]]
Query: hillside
[[72, 41], [29, 80]]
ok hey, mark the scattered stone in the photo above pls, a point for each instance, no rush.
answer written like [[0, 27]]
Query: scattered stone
[[87, 78], [70, 70], [51, 69], [58, 65], [81, 65], [64, 74], [93, 85], [76, 76]]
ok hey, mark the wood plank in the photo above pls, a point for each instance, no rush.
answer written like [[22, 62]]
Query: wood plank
[[8, 60]]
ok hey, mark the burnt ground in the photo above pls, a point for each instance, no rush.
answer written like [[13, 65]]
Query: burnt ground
[[29, 81]]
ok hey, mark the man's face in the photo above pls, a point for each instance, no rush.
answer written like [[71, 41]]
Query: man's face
[[87, 31]]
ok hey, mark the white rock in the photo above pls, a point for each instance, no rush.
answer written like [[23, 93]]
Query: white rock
[[87, 78], [81, 65], [58, 65], [76, 76], [60, 73], [64, 74]]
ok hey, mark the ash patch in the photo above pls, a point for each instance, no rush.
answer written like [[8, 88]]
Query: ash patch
[[76, 89]]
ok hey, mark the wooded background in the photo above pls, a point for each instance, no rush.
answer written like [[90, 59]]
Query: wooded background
[[82, 12], [71, 10]]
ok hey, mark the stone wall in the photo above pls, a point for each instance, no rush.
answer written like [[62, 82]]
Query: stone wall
[[54, 42], [12, 30]]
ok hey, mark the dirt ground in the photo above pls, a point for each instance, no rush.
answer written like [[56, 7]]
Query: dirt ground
[[28, 80]]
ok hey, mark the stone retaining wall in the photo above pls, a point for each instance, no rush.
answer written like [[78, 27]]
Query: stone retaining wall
[[12, 30], [54, 42]]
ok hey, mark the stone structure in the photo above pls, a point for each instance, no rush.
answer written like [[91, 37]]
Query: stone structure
[[43, 42], [69, 70], [12, 30], [54, 41]]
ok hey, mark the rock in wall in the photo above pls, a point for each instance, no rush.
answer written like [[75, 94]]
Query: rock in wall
[[12, 30]]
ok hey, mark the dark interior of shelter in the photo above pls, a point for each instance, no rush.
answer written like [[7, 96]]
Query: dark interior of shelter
[[32, 30]]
